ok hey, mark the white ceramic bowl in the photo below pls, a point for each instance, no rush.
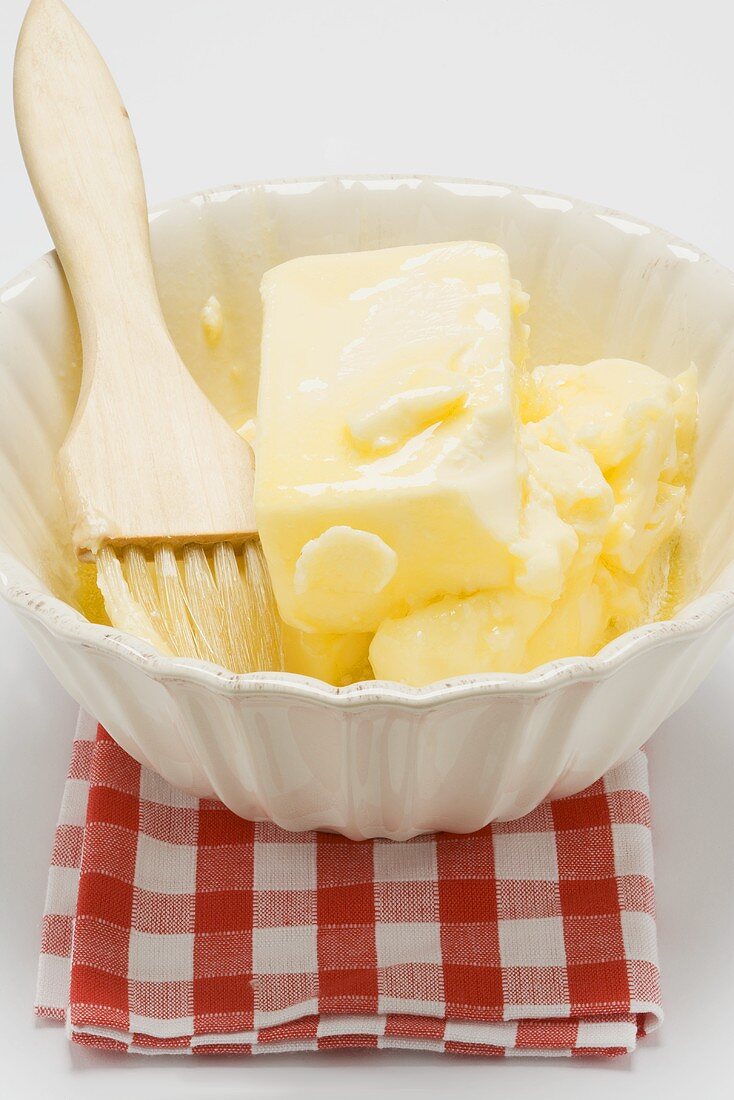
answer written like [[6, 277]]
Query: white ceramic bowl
[[375, 759]]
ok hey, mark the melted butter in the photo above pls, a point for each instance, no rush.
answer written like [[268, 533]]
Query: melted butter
[[88, 595]]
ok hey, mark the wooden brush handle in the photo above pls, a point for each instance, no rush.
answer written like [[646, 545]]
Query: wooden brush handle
[[82, 159], [147, 458]]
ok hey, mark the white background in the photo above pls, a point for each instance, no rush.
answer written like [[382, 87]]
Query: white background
[[627, 104]]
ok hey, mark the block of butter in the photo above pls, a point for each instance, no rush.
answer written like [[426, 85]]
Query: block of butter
[[388, 471]]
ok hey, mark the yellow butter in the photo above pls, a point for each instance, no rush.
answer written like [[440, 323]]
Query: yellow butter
[[342, 567], [389, 420], [638, 426], [428, 507], [339, 659], [457, 636], [212, 320], [387, 405], [608, 453]]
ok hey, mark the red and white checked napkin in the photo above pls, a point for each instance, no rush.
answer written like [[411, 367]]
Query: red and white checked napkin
[[173, 926]]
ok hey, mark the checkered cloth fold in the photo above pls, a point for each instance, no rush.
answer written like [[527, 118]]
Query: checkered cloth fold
[[171, 925]]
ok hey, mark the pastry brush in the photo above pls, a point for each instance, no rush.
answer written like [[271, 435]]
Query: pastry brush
[[158, 487]]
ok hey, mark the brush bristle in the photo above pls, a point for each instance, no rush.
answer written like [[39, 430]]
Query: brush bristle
[[216, 606]]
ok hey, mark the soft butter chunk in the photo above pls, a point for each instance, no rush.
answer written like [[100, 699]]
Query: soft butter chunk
[[608, 452], [638, 425], [339, 659], [338, 574], [387, 408], [457, 636], [567, 510]]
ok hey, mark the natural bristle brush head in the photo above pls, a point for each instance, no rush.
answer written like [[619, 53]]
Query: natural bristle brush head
[[214, 604]]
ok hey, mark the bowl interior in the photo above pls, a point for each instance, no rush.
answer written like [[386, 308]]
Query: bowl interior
[[600, 285]]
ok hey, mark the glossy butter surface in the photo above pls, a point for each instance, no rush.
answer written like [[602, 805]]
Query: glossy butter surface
[[416, 484], [386, 383], [608, 448]]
